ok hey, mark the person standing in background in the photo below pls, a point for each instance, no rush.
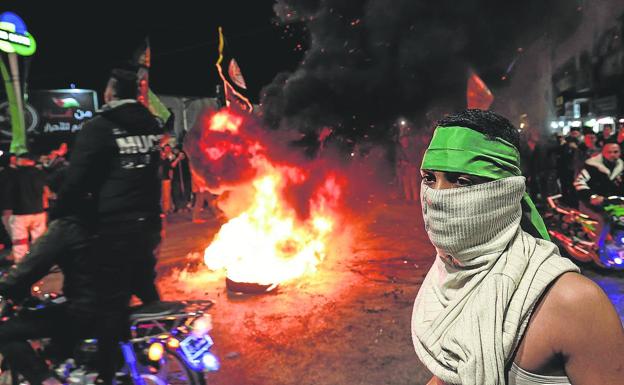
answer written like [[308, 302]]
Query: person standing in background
[[5, 205], [202, 198], [605, 136], [588, 148], [28, 219], [166, 173], [181, 180]]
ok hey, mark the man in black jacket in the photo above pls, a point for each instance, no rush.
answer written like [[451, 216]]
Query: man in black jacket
[[600, 178], [114, 164]]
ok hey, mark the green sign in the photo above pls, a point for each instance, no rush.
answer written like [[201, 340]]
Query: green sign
[[14, 38]]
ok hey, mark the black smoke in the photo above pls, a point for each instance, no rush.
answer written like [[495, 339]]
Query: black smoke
[[370, 62]]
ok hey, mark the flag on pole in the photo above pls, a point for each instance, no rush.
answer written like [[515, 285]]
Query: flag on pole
[[156, 107], [142, 59], [232, 79], [478, 95]]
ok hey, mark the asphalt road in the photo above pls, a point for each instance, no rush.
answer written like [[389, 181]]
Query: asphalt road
[[348, 323]]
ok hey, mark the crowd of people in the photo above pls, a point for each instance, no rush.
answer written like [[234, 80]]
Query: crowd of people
[[29, 186], [589, 166]]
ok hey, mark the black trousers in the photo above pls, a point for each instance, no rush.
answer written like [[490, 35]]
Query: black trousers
[[566, 179], [55, 322], [126, 260]]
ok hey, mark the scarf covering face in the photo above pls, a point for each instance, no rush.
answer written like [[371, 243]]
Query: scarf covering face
[[466, 151], [474, 304]]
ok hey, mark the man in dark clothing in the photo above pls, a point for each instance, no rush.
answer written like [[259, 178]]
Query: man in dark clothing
[[181, 182], [605, 136], [588, 147], [568, 157], [66, 243], [115, 163], [619, 137], [55, 169], [600, 178], [166, 174], [28, 220]]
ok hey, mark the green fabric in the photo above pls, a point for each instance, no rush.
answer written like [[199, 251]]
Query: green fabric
[[156, 107], [18, 132], [466, 151]]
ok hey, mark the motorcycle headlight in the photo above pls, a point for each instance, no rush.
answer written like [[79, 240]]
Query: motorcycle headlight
[[210, 362], [155, 351], [202, 325]]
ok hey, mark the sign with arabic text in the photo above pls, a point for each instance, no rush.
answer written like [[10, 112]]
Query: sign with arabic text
[[62, 113]]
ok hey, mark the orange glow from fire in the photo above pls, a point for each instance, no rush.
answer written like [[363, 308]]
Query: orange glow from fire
[[225, 121], [268, 242]]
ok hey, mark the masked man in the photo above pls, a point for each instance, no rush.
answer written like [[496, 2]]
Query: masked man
[[499, 305]]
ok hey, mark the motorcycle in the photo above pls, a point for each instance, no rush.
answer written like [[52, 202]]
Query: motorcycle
[[172, 346], [576, 232]]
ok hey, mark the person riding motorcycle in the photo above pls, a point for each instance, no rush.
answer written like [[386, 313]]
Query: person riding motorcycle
[[65, 244], [115, 162], [103, 235], [600, 178]]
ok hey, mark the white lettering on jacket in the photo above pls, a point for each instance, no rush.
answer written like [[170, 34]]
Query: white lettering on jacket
[[138, 144]]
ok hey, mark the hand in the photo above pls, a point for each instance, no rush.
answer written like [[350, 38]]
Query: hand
[[596, 200]]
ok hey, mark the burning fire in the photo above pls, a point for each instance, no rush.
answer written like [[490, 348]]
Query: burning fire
[[269, 242]]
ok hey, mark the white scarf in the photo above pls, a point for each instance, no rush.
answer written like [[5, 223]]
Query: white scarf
[[474, 305]]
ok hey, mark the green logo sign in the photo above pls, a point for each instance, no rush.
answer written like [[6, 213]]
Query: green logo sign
[[14, 38]]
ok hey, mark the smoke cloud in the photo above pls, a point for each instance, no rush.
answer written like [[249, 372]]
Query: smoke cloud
[[371, 62]]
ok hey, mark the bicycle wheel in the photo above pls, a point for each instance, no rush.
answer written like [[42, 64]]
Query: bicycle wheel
[[172, 370]]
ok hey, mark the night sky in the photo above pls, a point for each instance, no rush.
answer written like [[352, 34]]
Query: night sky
[[356, 66], [79, 42]]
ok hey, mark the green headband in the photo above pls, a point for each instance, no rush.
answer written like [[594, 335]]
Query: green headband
[[466, 151]]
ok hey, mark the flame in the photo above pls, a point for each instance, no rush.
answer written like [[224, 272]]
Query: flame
[[225, 121], [269, 242]]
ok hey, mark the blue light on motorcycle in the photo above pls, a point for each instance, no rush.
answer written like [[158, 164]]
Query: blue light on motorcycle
[[618, 261], [210, 362]]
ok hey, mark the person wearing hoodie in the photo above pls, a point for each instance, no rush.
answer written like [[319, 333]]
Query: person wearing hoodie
[[114, 174]]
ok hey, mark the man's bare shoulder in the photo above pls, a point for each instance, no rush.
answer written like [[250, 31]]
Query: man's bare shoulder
[[570, 289], [574, 295], [577, 309]]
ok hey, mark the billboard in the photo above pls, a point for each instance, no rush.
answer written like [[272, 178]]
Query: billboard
[[52, 117]]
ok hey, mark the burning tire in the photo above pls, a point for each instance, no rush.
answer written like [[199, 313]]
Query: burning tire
[[249, 287]]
